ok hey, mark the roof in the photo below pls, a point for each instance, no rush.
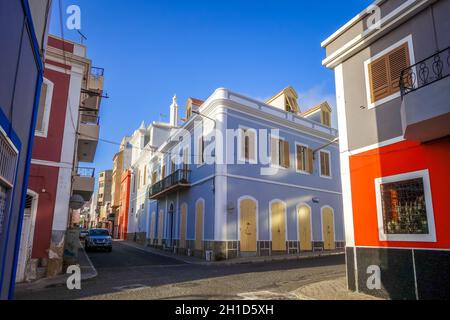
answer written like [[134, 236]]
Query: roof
[[196, 102], [323, 105], [288, 89]]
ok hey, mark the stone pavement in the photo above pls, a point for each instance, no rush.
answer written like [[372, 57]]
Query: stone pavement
[[88, 271], [335, 289], [243, 260]]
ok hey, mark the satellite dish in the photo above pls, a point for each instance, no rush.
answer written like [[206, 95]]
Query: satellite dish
[[76, 202]]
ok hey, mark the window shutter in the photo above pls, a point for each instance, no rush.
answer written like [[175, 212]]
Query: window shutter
[[251, 145], [398, 61], [310, 160], [242, 143], [286, 155], [274, 152], [378, 75], [41, 110], [299, 157]]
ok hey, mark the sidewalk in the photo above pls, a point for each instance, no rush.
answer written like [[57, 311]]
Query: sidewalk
[[245, 260], [88, 271], [335, 289]]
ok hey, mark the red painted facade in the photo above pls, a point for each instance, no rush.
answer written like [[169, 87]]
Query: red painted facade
[[44, 178], [400, 158], [124, 204]]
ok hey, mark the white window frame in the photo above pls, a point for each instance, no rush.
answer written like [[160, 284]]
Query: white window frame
[[296, 160], [241, 136], [370, 104], [320, 165], [47, 109], [431, 236]]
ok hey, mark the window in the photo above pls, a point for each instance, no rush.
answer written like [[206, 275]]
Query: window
[[201, 150], [173, 166], [279, 153], [3, 206], [326, 118], [384, 72], [304, 159], [45, 102], [154, 175], [404, 207], [163, 172], [145, 175], [325, 165], [247, 151]]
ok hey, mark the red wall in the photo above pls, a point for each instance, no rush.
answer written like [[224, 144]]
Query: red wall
[[399, 158], [43, 181], [124, 204], [50, 148]]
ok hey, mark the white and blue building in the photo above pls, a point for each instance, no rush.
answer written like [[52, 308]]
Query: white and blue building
[[242, 177]]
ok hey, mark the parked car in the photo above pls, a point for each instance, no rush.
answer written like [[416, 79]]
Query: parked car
[[83, 234], [98, 239]]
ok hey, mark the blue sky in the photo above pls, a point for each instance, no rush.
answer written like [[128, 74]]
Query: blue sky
[[152, 50]]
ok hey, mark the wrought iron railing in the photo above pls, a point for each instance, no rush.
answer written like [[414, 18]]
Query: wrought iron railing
[[86, 172], [179, 177], [425, 72]]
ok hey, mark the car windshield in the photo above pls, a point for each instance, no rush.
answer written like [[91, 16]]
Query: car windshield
[[98, 232]]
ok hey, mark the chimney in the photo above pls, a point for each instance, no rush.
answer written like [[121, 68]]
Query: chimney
[[174, 112]]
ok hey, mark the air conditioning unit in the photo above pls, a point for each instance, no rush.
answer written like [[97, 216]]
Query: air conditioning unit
[[209, 255]]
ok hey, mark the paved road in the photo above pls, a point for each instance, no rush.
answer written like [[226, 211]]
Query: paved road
[[130, 273]]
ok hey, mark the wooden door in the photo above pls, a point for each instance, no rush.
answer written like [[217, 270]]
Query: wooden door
[[304, 228], [160, 226], [278, 221], [183, 226], [199, 226], [328, 228], [152, 227], [247, 223]]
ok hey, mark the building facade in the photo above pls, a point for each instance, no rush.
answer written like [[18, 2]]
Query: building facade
[[242, 178], [23, 30], [104, 200], [66, 133], [121, 162], [391, 64]]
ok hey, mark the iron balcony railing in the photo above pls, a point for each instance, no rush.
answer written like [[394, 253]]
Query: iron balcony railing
[[425, 72], [86, 172], [178, 178]]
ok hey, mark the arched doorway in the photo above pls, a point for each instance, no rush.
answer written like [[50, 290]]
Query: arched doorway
[[328, 228], [183, 226], [304, 228], [278, 225], [160, 226], [247, 225], [199, 213], [170, 225]]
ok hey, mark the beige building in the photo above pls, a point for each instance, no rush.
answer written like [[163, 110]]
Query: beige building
[[104, 198], [121, 162]]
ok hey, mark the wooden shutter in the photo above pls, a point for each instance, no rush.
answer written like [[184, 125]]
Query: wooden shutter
[[299, 158], [274, 153], [242, 144], [398, 61], [310, 156], [385, 72], [378, 75], [251, 145], [286, 155]]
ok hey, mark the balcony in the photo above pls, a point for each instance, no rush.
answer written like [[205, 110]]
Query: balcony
[[425, 89], [83, 182], [89, 130], [176, 181]]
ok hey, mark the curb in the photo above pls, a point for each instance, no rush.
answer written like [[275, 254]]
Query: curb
[[231, 262], [91, 265]]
